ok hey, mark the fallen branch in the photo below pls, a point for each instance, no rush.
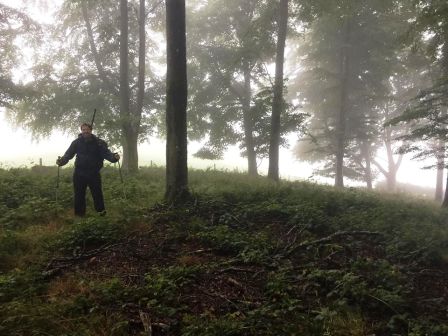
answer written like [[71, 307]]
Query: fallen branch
[[329, 238], [58, 264]]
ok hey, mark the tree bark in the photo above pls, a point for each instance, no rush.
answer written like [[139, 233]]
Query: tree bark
[[141, 64], [391, 173], [368, 167], [440, 171], [176, 104], [445, 73], [445, 198], [277, 104], [342, 114], [131, 121], [130, 153], [248, 121]]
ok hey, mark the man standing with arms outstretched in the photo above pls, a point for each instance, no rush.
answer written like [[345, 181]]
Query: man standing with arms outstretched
[[90, 153]]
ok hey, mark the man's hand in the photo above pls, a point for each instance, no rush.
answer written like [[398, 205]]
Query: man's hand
[[59, 161], [117, 156]]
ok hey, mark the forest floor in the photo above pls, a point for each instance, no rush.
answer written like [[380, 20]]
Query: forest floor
[[245, 257]]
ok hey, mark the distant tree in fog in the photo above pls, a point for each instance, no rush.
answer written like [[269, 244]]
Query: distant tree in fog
[[347, 57], [427, 113], [15, 26], [76, 69]]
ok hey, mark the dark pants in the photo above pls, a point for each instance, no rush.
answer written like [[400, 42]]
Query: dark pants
[[80, 183]]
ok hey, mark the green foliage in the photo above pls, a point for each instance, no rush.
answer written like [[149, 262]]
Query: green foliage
[[90, 233], [79, 74], [163, 285], [348, 58], [223, 264], [210, 326], [16, 26], [231, 89]]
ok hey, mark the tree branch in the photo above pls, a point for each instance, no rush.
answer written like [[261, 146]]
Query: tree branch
[[99, 66], [329, 238]]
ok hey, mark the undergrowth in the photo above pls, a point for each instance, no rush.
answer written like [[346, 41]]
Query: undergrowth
[[245, 257]]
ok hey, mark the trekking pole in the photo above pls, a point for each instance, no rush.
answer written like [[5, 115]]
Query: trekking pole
[[121, 179], [57, 182], [93, 118]]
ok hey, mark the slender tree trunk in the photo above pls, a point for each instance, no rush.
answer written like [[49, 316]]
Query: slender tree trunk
[[440, 170], [445, 103], [248, 121], [141, 61], [130, 153], [342, 115], [391, 180], [176, 104], [391, 176], [277, 104], [131, 123], [445, 198], [392, 166], [130, 149], [368, 167]]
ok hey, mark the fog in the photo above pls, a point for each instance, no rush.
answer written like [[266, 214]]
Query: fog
[[27, 152], [308, 93]]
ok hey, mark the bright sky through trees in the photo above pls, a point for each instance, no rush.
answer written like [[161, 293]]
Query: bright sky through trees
[[20, 149]]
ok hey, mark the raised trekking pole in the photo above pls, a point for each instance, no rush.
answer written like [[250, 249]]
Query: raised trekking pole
[[93, 118]]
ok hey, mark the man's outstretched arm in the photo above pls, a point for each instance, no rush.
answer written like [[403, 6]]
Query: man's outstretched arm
[[69, 154], [107, 154]]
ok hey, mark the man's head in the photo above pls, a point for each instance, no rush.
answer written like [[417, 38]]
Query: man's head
[[86, 130]]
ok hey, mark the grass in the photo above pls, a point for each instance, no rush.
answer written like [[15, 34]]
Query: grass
[[247, 257]]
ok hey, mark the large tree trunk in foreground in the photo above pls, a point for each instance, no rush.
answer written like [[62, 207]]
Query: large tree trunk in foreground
[[176, 104], [277, 104]]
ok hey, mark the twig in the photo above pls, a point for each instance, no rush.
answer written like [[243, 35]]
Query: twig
[[146, 321], [329, 238], [65, 262]]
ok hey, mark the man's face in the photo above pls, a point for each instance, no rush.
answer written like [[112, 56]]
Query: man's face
[[86, 131]]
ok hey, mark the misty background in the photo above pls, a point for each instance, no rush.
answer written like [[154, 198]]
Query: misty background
[[57, 82]]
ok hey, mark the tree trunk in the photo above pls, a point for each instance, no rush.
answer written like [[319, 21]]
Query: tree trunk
[[391, 176], [176, 104], [368, 167], [277, 104], [130, 149], [439, 181], [130, 155], [131, 123], [141, 66], [445, 199], [445, 103], [342, 115], [248, 121], [440, 155]]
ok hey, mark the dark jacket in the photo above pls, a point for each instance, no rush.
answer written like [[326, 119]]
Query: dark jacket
[[90, 154]]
